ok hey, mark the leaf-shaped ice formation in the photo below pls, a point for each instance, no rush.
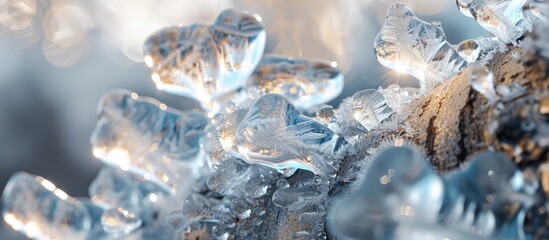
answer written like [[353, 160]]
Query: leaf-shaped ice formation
[[418, 48], [504, 18], [143, 136], [206, 62], [36, 207], [305, 83], [275, 134], [402, 197]]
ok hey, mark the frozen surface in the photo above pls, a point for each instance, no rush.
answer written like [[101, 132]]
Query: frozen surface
[[408, 44]]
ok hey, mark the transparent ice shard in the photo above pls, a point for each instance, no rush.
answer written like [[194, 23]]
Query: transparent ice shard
[[206, 62], [504, 18], [418, 48], [240, 38], [143, 136], [370, 108], [305, 83], [402, 197], [115, 188], [275, 134], [184, 61], [120, 222], [396, 96], [482, 80], [35, 207]]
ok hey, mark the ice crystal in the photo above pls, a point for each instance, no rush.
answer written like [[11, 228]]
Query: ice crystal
[[305, 83], [143, 136], [418, 48], [401, 197], [370, 108], [37, 208], [505, 19], [274, 133], [206, 62], [257, 166]]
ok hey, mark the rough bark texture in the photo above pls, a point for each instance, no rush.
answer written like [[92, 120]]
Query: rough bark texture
[[455, 121]]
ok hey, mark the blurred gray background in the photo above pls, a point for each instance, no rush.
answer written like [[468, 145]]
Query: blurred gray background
[[59, 57]]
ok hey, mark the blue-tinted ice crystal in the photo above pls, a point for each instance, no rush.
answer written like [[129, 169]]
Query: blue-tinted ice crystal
[[402, 197], [36, 207], [275, 134], [143, 136], [206, 62], [305, 83], [504, 18], [418, 48]]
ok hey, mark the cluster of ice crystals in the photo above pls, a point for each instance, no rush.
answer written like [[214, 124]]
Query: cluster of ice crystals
[[401, 197], [37, 208], [506, 19], [418, 48], [305, 83], [206, 62], [275, 134], [157, 184], [482, 80], [143, 136]]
